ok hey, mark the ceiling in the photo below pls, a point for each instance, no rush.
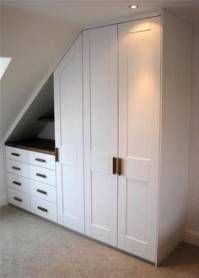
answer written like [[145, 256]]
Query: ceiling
[[86, 13]]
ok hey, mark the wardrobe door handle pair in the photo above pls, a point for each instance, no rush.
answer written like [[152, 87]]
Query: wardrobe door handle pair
[[117, 166]]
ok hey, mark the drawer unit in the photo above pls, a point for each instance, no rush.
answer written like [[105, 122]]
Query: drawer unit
[[44, 191], [19, 199], [17, 168], [31, 181], [18, 183], [42, 160], [42, 175], [44, 209]]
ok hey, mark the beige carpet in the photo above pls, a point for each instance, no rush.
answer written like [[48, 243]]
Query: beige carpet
[[32, 247]]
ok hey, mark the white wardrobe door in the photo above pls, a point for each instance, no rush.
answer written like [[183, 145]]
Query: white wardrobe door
[[69, 138], [101, 132], [139, 104]]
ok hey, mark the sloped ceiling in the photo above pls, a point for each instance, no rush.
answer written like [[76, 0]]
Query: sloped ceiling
[[35, 43], [37, 33]]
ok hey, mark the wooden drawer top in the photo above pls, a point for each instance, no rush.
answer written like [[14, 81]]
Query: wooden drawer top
[[36, 145]]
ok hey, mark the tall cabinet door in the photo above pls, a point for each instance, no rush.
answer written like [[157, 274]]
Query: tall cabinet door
[[139, 104], [69, 138], [101, 133]]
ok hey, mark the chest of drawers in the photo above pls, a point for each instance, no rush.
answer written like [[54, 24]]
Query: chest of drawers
[[31, 181]]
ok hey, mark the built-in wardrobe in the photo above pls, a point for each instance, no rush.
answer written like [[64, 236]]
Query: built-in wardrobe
[[121, 100]]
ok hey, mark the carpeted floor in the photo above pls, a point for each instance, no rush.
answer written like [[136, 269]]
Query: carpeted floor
[[31, 247]]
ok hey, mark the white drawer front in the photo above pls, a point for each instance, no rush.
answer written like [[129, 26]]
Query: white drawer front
[[17, 154], [18, 183], [19, 199], [44, 191], [44, 209], [42, 160], [42, 175], [17, 168]]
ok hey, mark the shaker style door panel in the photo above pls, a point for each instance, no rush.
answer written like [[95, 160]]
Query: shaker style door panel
[[69, 138], [101, 132], [139, 104]]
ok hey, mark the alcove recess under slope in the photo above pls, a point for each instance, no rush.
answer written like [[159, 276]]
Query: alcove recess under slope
[[35, 129]]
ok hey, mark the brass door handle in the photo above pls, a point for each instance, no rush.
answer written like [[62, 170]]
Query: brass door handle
[[114, 171], [56, 154], [119, 166]]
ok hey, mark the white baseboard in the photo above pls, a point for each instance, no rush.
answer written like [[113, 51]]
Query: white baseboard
[[191, 237], [3, 201]]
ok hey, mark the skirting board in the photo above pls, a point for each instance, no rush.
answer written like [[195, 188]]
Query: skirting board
[[3, 201], [191, 237]]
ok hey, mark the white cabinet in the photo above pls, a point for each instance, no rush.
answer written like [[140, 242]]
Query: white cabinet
[[122, 126], [121, 97], [136, 109], [30, 186], [139, 106], [101, 133], [69, 138]]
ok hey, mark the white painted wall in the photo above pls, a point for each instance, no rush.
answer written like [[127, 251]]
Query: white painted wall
[[35, 42], [3, 198], [192, 228]]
